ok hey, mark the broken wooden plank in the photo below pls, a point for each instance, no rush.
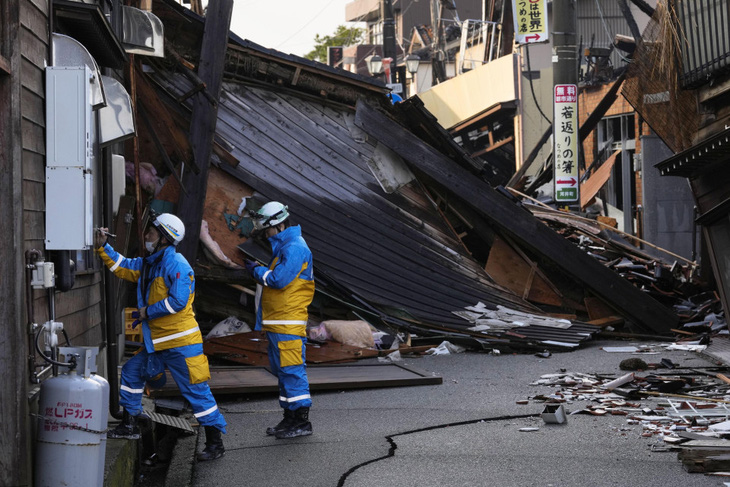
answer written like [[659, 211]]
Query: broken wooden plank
[[520, 225], [510, 270], [252, 380], [252, 349], [595, 182]]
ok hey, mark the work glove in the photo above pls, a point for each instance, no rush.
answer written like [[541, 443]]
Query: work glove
[[139, 316], [100, 237], [251, 265]]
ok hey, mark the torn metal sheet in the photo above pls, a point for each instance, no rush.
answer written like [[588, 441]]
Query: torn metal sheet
[[482, 315]]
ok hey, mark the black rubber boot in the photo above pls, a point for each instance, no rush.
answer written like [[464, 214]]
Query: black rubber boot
[[300, 426], [213, 445], [283, 424], [127, 429]]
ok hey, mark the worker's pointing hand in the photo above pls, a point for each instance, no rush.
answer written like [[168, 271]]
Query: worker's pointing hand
[[100, 237]]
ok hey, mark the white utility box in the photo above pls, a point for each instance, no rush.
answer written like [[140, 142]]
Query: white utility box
[[69, 178]]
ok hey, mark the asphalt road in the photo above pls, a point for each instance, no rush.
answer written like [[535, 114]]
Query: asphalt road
[[464, 432]]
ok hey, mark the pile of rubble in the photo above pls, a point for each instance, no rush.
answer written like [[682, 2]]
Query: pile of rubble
[[676, 284], [690, 412]]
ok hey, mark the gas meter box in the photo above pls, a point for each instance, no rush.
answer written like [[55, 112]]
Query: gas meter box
[[69, 178]]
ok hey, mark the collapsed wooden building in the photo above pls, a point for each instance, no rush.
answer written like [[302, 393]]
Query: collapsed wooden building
[[401, 221]]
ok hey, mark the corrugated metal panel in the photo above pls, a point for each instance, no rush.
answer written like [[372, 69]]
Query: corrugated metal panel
[[394, 250]]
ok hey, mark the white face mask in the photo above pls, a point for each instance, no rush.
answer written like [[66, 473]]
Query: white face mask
[[150, 246]]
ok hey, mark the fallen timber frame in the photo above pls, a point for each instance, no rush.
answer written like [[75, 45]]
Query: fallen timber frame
[[526, 230]]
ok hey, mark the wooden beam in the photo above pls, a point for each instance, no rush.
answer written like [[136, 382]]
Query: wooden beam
[[492, 145], [520, 225], [15, 447], [203, 121], [158, 144], [164, 122]]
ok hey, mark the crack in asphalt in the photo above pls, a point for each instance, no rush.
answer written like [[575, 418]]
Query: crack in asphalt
[[394, 445]]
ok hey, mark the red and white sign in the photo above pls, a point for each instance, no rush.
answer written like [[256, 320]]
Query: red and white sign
[[565, 143]]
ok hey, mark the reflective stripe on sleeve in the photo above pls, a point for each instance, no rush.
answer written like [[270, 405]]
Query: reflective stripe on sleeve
[[116, 264], [129, 389], [206, 412], [295, 399], [169, 308], [266, 274], [176, 335]]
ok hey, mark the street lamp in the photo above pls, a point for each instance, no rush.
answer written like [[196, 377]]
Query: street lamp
[[412, 62], [375, 64]]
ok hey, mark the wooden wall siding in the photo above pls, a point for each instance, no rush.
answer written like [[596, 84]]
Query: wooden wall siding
[[34, 52], [32, 77], [15, 447], [80, 310]]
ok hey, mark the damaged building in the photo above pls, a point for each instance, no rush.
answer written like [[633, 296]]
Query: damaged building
[[410, 229]]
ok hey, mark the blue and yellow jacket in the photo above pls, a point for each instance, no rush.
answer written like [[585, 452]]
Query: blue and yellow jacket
[[166, 285], [288, 285]]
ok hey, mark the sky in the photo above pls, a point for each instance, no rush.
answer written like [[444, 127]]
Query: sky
[[288, 26]]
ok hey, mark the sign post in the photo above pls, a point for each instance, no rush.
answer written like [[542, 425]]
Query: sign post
[[565, 144]]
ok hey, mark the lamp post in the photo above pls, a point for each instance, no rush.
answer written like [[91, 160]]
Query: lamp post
[[375, 64], [378, 65], [412, 62]]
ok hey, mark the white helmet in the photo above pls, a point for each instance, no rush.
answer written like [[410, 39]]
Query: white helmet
[[270, 215], [170, 226]]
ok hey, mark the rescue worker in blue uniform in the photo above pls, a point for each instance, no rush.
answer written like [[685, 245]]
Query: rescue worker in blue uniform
[[172, 339], [285, 290]]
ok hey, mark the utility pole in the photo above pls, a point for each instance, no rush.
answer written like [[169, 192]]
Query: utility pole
[[438, 51], [386, 13], [389, 51], [565, 102]]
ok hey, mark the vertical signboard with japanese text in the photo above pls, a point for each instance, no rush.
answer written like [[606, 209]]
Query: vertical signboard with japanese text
[[565, 143], [531, 21]]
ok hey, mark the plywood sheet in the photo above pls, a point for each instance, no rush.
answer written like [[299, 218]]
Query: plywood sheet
[[252, 380], [251, 349], [510, 270], [590, 188]]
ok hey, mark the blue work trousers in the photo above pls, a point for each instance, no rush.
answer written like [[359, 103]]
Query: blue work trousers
[[288, 363], [182, 363]]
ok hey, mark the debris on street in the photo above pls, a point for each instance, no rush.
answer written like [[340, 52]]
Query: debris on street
[[689, 411]]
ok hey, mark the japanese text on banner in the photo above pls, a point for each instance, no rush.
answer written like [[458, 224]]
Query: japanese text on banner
[[565, 143]]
